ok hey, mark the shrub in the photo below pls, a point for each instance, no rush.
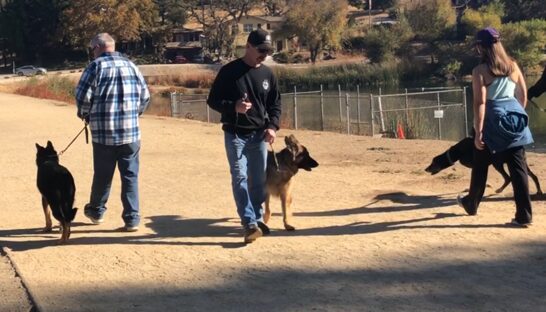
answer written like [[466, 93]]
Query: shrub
[[525, 41]]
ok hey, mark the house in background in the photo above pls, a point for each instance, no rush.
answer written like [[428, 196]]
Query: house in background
[[188, 42], [186, 46], [269, 23]]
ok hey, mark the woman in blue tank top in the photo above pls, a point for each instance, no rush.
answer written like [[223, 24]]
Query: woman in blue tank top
[[501, 125]]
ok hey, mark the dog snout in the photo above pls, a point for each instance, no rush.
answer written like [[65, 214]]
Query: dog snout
[[432, 169]]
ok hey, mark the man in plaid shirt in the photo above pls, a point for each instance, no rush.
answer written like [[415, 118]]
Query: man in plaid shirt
[[110, 96]]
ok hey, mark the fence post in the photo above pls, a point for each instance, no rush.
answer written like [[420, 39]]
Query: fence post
[[208, 109], [295, 109], [358, 107], [465, 112], [340, 109], [380, 106], [439, 119], [372, 115], [407, 107], [348, 113], [173, 103], [321, 109]]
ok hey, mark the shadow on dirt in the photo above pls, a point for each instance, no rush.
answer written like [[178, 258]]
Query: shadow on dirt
[[511, 282], [172, 229]]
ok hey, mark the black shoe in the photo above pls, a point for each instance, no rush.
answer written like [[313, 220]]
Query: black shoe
[[264, 228], [252, 233], [88, 212], [469, 211], [515, 222]]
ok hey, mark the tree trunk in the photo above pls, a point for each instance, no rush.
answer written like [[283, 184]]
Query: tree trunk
[[314, 53]]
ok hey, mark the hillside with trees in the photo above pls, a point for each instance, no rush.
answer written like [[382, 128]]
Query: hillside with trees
[[437, 33]]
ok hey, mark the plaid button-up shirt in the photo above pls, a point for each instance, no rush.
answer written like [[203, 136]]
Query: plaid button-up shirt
[[112, 94]]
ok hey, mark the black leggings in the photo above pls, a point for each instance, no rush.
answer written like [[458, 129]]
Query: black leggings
[[517, 167]]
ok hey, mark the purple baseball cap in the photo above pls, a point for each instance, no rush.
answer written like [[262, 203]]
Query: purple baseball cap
[[487, 36]]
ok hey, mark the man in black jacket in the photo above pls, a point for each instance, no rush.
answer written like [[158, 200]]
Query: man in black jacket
[[245, 93], [538, 88]]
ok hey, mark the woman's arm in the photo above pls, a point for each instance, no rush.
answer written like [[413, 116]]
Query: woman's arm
[[521, 87], [479, 91]]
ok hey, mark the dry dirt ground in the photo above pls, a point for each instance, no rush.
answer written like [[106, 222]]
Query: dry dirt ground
[[375, 233]]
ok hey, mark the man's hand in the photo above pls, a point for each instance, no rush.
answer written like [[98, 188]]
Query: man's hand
[[243, 105], [270, 136]]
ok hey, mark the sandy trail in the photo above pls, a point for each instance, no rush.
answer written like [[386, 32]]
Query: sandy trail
[[375, 233]]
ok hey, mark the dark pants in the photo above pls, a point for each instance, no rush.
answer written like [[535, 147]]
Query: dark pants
[[517, 167]]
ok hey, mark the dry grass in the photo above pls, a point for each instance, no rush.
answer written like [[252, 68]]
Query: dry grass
[[190, 80], [54, 88]]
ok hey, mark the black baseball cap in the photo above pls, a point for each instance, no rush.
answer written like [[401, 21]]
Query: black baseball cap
[[260, 39]]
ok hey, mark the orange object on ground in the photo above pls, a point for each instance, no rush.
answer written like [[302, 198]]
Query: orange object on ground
[[400, 131]]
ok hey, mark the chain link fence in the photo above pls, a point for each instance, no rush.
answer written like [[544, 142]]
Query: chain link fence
[[421, 114]]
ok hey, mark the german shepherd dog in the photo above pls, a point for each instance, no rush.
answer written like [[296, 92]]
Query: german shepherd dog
[[57, 187], [463, 152], [281, 169]]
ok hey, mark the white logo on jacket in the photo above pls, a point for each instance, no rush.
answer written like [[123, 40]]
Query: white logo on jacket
[[265, 84]]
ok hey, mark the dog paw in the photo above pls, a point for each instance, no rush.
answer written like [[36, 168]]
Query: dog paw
[[289, 227]]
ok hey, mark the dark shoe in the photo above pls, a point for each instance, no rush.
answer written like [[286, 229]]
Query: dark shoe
[[88, 212], [252, 233], [264, 228], [515, 222], [461, 204]]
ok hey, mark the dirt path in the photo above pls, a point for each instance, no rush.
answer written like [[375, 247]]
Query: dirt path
[[375, 233]]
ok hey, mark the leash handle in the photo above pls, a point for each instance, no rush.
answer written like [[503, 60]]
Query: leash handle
[[74, 139]]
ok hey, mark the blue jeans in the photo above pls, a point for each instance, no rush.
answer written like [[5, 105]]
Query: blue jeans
[[105, 159], [247, 156]]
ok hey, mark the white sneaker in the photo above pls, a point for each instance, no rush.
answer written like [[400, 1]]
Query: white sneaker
[[133, 228]]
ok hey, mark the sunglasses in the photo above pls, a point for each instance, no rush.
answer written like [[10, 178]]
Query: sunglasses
[[263, 50]]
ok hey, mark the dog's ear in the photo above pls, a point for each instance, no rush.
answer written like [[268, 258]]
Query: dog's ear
[[292, 144], [291, 139], [49, 145], [39, 147]]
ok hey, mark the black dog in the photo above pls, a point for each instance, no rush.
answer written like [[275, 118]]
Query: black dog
[[281, 169], [57, 187], [462, 152]]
